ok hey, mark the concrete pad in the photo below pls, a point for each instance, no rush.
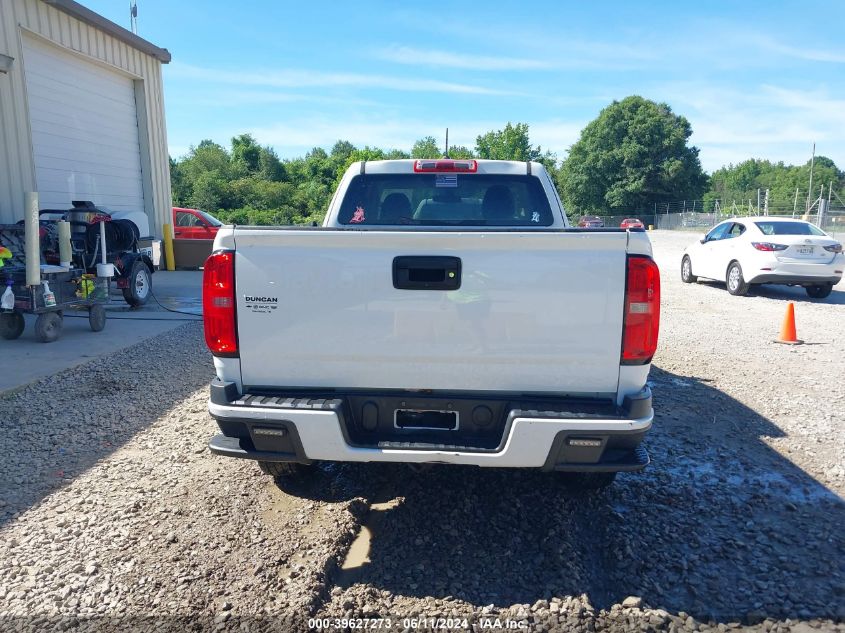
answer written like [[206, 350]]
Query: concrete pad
[[27, 359]]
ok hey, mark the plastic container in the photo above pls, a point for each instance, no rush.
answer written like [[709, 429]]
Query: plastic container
[[49, 297], [7, 302]]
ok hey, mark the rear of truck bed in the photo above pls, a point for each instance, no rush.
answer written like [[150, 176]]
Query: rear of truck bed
[[501, 346]]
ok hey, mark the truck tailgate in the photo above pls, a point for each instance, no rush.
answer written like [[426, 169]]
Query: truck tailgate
[[536, 311]]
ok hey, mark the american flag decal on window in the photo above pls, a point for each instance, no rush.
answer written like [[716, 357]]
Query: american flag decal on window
[[446, 180]]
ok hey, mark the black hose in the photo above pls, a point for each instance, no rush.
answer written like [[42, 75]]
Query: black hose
[[121, 235]]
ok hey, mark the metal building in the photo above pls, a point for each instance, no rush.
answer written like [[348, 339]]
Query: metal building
[[81, 112]]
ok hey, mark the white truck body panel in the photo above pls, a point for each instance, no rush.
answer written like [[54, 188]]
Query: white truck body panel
[[536, 311]]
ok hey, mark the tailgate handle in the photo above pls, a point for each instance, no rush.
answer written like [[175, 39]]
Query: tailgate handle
[[415, 272]]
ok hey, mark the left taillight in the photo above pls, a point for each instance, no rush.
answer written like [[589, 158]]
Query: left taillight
[[769, 246], [218, 304], [642, 311]]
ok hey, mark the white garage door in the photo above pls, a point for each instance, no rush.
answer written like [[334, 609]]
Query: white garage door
[[84, 130]]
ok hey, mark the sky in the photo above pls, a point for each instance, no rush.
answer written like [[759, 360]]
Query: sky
[[755, 79]]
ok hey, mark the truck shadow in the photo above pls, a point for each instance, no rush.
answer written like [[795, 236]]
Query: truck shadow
[[95, 410], [720, 525]]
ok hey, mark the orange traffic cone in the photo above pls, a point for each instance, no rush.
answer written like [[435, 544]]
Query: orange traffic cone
[[787, 330]]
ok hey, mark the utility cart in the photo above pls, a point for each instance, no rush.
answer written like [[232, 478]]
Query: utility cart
[[61, 288]]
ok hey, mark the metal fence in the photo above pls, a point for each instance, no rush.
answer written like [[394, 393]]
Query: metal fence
[[832, 222]]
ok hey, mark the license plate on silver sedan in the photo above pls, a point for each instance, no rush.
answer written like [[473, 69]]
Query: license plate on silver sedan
[[805, 250]]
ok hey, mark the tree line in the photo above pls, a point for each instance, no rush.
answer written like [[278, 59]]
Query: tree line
[[634, 155]]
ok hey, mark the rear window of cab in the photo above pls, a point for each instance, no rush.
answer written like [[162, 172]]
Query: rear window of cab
[[445, 199]]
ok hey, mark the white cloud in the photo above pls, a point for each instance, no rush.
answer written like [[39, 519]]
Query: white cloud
[[770, 122], [431, 57], [316, 79], [555, 135], [799, 52]]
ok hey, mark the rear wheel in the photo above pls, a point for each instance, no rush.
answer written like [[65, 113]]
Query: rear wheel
[[140, 284], [11, 325], [48, 327], [734, 281], [97, 317], [819, 291], [686, 271], [584, 482], [286, 470]]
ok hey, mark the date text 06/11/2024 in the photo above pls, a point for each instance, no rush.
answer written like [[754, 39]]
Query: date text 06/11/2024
[[484, 623]]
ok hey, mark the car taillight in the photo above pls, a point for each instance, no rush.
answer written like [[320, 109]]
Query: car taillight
[[445, 164], [768, 246], [218, 304], [641, 321], [834, 248]]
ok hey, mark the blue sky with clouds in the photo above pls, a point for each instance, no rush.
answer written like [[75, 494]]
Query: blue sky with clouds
[[755, 79]]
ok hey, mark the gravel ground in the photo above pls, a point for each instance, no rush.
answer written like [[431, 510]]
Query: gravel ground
[[114, 516]]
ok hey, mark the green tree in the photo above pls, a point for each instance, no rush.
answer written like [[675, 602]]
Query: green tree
[[245, 154], [459, 151], [342, 150], [180, 187], [739, 183], [396, 154], [510, 143], [426, 148], [633, 155], [269, 165]]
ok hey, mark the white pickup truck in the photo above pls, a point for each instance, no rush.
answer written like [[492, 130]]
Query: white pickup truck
[[445, 312]]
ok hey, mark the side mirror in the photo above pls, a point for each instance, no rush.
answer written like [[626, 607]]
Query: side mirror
[[702, 239]]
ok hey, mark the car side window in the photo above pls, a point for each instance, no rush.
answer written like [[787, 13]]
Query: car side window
[[737, 229], [718, 233], [186, 219]]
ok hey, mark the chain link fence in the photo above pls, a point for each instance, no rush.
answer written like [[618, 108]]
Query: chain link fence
[[832, 222]]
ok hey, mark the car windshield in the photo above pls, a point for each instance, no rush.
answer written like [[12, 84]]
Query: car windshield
[[788, 228], [445, 199], [210, 218]]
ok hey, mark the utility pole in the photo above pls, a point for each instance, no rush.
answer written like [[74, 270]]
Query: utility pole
[[446, 151], [133, 16], [820, 216], [795, 203], [810, 188]]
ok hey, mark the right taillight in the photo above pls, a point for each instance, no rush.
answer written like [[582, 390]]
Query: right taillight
[[642, 311], [768, 246], [834, 248], [218, 304]]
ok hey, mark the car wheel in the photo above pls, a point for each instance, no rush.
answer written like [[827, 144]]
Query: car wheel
[[11, 325], [585, 482], [140, 285], [48, 327], [286, 470], [819, 291], [97, 317], [686, 271], [734, 281]]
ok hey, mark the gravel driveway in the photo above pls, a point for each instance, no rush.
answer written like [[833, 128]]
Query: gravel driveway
[[114, 516]]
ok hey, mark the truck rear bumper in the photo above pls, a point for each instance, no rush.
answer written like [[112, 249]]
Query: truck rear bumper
[[308, 429]]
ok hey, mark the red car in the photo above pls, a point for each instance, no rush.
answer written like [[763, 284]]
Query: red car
[[631, 223], [193, 224], [590, 222]]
